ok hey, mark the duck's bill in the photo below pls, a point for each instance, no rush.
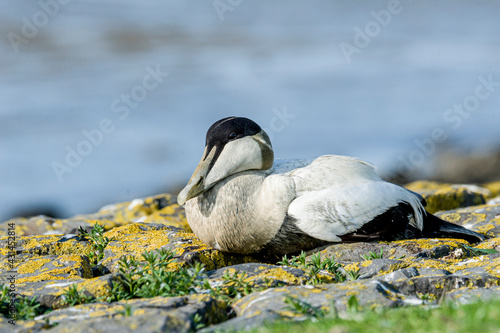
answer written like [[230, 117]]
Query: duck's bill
[[196, 184]]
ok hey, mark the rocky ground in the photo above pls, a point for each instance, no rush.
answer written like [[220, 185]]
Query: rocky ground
[[88, 273]]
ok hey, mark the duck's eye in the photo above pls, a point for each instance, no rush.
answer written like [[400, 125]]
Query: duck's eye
[[232, 136]]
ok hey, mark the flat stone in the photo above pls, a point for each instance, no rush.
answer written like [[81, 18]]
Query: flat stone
[[425, 248], [38, 246], [137, 209], [51, 267], [36, 225], [371, 268], [110, 216], [353, 252], [21, 326], [270, 304], [469, 295], [483, 218], [410, 272], [158, 314], [262, 275], [51, 293], [436, 285]]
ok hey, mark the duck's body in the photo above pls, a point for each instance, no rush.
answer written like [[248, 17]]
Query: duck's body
[[238, 201]]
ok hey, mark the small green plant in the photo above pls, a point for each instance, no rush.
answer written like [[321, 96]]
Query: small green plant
[[127, 311], [153, 278], [198, 323], [353, 304], [314, 267], [99, 242], [352, 274], [73, 296], [373, 255], [426, 297], [234, 286], [303, 307], [25, 308]]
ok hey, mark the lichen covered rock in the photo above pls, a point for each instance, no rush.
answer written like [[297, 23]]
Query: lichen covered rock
[[235, 292], [110, 216], [159, 314], [441, 196], [482, 218]]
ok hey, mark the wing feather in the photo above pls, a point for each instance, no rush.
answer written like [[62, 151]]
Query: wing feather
[[337, 195]]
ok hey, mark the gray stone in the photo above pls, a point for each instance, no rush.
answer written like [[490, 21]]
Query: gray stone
[[271, 305], [262, 275], [375, 267], [436, 285], [468, 295], [483, 218], [158, 314]]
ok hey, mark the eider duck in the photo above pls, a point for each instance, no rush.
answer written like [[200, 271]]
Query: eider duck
[[240, 200]]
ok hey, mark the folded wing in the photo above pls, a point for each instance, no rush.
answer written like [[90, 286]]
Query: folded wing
[[338, 195]]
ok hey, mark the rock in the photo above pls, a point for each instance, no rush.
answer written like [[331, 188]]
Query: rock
[[261, 275], [353, 252], [111, 216], [22, 326], [159, 314], [482, 218], [272, 304], [441, 196], [439, 284], [371, 268], [52, 267], [36, 225], [469, 295], [173, 215], [494, 188]]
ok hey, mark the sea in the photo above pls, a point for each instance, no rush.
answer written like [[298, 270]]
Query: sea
[[109, 100]]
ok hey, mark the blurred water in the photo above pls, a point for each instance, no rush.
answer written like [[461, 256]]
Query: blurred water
[[264, 59]]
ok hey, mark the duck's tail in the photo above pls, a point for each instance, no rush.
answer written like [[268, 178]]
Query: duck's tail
[[435, 227]]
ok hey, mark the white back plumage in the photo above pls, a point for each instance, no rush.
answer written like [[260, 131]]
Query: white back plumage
[[336, 195]]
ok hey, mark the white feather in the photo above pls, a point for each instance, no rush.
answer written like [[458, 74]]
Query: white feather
[[336, 195]]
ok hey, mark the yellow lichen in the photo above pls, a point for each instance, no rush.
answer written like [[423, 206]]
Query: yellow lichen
[[485, 228], [279, 274], [76, 266], [366, 263], [451, 217], [489, 244], [32, 266], [351, 267], [97, 287], [430, 243], [442, 196], [494, 187]]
